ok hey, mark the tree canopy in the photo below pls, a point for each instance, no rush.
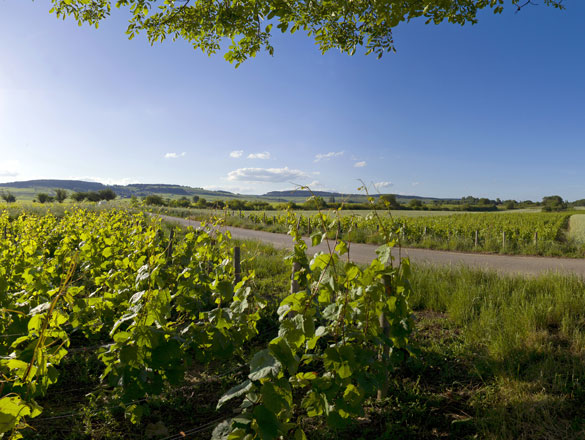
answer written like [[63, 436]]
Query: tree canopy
[[246, 26]]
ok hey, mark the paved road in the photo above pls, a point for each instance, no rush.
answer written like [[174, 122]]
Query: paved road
[[364, 253]]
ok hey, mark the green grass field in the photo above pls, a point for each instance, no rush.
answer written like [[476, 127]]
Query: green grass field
[[577, 228]]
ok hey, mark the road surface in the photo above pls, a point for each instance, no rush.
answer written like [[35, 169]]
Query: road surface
[[364, 253]]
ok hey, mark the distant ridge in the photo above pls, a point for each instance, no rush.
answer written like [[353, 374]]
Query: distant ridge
[[340, 196], [71, 185], [125, 191], [29, 189]]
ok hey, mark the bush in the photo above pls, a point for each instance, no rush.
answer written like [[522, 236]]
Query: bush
[[79, 196], [60, 195], [44, 198], [107, 194], [154, 200], [8, 197]]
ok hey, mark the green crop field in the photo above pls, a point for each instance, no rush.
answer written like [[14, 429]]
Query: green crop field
[[529, 232]]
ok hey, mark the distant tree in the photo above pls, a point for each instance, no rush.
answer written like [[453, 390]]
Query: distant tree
[[415, 204], [236, 204], [509, 204], [389, 201], [93, 196], [107, 194], [553, 203], [195, 199], [315, 202], [60, 195], [44, 198], [78, 196], [201, 203], [8, 197], [183, 202], [155, 200], [580, 202], [332, 199]]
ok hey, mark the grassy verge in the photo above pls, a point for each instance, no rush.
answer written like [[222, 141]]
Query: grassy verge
[[577, 228]]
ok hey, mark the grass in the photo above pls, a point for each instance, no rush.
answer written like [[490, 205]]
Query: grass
[[577, 228]]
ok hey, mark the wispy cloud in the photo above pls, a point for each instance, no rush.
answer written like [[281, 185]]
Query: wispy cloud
[[264, 156], [175, 155], [415, 183], [360, 164], [9, 168], [236, 153], [382, 185], [265, 174], [327, 156]]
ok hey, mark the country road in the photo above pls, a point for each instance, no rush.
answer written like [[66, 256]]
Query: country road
[[364, 253]]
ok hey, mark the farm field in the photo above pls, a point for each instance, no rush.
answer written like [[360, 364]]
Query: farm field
[[523, 233], [90, 298], [577, 228]]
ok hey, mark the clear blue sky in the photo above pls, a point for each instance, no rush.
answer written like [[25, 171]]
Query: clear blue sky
[[496, 109]]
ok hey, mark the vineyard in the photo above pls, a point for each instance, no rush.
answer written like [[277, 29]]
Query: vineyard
[[154, 307], [511, 233]]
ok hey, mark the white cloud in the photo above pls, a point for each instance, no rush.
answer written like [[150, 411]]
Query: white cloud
[[236, 153], [316, 173], [265, 174], [328, 156], [382, 185], [175, 155], [415, 183], [9, 168], [360, 164], [264, 156]]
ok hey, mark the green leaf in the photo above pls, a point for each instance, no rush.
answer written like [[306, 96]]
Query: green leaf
[[268, 425], [342, 247], [236, 391], [300, 435], [283, 353], [384, 253], [317, 238], [263, 364]]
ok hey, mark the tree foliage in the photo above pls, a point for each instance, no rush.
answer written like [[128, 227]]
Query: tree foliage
[[60, 195], [247, 26], [7, 196]]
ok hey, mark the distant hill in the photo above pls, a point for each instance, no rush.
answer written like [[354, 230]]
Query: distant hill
[[28, 189], [339, 197], [71, 185]]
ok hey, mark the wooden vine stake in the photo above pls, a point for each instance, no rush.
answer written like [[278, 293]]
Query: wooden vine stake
[[504, 240], [535, 238], [237, 266], [383, 390], [476, 238], [294, 284], [170, 246]]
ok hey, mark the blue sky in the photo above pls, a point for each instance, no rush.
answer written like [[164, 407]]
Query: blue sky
[[496, 109]]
